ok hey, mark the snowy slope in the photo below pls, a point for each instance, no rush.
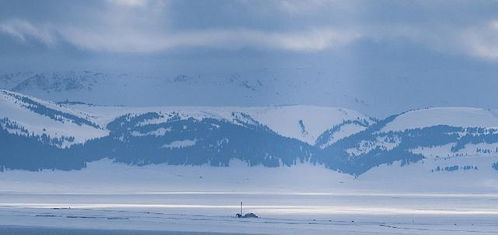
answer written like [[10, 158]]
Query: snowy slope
[[451, 116], [306, 123], [23, 115], [447, 136]]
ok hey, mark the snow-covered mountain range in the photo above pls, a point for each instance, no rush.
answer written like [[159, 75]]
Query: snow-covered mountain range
[[37, 134], [211, 88]]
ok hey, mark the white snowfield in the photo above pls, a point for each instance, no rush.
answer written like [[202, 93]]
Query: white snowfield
[[344, 131], [450, 116], [302, 199], [180, 144], [104, 176], [285, 120]]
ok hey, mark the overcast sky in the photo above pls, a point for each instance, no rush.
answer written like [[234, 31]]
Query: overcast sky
[[392, 54]]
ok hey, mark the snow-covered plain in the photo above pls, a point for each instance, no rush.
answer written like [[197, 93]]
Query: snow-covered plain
[[302, 199], [279, 213]]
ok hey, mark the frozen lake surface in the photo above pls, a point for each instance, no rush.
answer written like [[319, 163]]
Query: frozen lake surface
[[36, 230], [280, 213]]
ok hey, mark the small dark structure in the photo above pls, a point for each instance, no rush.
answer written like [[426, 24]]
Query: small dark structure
[[247, 215]]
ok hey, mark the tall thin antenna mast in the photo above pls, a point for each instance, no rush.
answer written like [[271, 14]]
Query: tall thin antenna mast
[[240, 208]]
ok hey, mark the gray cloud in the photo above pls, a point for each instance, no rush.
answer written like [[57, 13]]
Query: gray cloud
[[22, 30], [153, 25]]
